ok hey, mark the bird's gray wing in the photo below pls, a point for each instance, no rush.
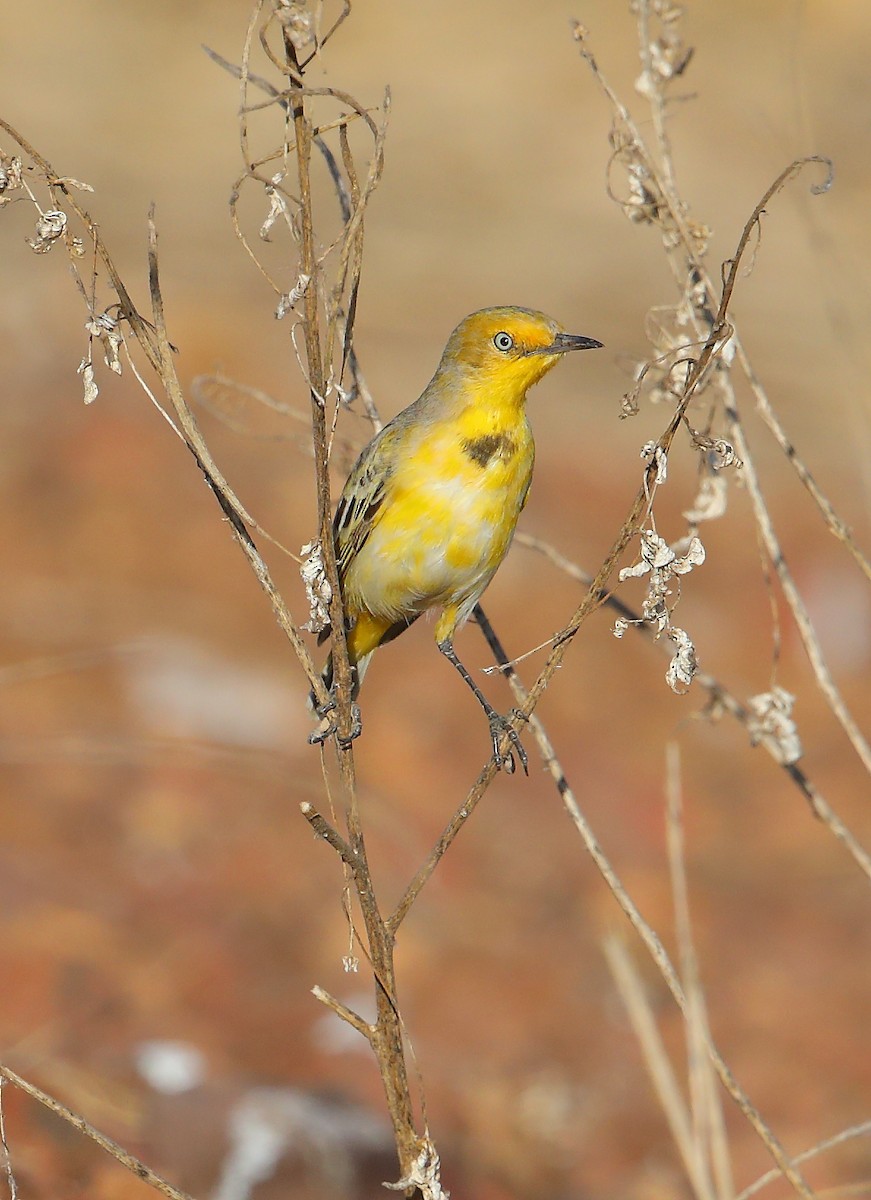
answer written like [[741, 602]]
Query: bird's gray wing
[[362, 500]]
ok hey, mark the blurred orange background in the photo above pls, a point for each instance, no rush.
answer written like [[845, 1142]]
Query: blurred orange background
[[158, 882]]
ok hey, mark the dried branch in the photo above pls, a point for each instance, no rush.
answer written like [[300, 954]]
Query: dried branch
[[667, 209], [640, 1013], [765, 410], [645, 931], [709, 1131], [127, 1160], [716, 338], [163, 362], [323, 829], [385, 1035], [7, 1157], [155, 345], [720, 699], [153, 338], [806, 631], [838, 1139], [344, 1013]]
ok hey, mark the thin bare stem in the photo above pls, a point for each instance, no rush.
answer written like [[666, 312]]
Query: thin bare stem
[[323, 829], [127, 1160], [766, 411], [385, 1035], [653, 90], [647, 934], [717, 336], [806, 631], [709, 1132], [314, 364], [344, 1013], [660, 957], [721, 699], [846, 1135], [640, 1014], [7, 1157]]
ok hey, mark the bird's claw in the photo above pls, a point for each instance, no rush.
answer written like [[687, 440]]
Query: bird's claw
[[324, 731], [328, 727], [355, 731], [323, 710], [501, 727]]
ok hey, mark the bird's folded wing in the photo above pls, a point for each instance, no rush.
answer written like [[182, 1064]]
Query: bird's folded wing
[[362, 501]]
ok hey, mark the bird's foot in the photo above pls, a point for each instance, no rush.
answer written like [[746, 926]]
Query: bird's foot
[[322, 710], [501, 727], [355, 731], [328, 726], [324, 731]]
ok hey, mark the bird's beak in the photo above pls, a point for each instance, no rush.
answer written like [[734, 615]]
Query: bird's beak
[[571, 341], [563, 342]]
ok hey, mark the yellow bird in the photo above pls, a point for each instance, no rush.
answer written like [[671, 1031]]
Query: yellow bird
[[430, 507]]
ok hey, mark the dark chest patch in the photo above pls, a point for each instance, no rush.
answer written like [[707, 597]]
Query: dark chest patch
[[482, 450]]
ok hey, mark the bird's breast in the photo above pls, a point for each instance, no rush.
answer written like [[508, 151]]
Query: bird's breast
[[455, 497], [483, 448]]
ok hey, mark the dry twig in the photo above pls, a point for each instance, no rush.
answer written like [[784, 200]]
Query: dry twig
[[324, 305], [720, 700], [655, 200], [133, 1164], [313, 297]]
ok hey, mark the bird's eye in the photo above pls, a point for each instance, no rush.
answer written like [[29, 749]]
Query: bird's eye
[[503, 341]]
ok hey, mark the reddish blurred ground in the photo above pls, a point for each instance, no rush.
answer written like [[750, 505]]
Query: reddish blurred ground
[[157, 879]]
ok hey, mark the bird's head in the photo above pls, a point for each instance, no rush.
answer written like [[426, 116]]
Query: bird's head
[[508, 348]]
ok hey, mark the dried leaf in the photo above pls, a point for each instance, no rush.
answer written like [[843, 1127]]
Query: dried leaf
[[49, 227], [277, 208], [86, 370], [10, 175], [662, 562], [772, 726], [290, 299], [317, 587], [299, 22], [105, 329], [684, 664], [424, 1174], [694, 557], [652, 452], [710, 502], [655, 550]]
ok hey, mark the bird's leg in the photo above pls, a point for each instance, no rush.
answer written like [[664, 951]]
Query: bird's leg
[[499, 725]]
